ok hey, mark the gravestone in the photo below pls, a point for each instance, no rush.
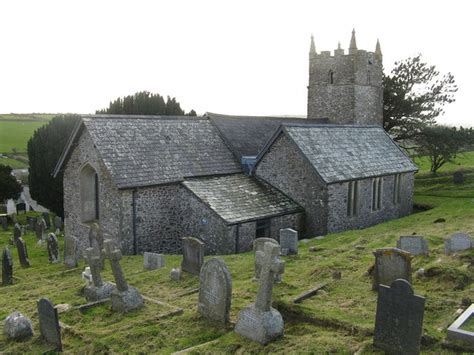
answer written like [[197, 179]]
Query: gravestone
[[391, 264], [17, 327], [22, 252], [71, 251], [457, 242], [258, 245], [58, 223], [16, 232], [399, 319], [4, 222], [47, 220], [215, 291], [32, 221], [97, 290], [414, 244], [49, 323], [53, 248], [175, 274], [289, 240], [152, 261], [96, 241], [7, 267], [20, 207], [41, 230], [124, 298], [260, 321], [458, 177], [193, 255]]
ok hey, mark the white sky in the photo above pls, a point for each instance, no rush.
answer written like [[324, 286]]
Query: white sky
[[233, 57]]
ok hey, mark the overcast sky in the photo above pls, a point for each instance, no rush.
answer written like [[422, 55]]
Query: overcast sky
[[232, 57]]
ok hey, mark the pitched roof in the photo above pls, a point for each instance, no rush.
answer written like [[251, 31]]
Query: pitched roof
[[238, 198], [347, 152], [247, 135], [152, 150]]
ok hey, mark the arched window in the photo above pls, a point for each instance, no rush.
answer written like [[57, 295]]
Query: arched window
[[331, 77], [89, 194]]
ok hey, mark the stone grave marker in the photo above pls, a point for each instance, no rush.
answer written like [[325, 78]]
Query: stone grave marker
[[20, 207], [22, 252], [53, 248], [193, 255], [258, 245], [71, 251], [152, 261], [289, 240], [41, 230], [175, 274], [32, 221], [47, 220], [97, 290], [16, 232], [399, 319], [391, 264], [215, 291], [458, 177], [457, 242], [125, 298], [260, 321], [49, 323], [414, 244], [7, 267], [4, 222], [96, 241], [58, 224], [17, 327]]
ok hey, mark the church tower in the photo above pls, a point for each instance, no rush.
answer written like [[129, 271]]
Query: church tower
[[346, 88]]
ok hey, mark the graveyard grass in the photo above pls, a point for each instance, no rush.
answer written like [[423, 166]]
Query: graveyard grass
[[339, 318]]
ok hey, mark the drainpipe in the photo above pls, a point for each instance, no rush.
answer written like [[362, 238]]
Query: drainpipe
[[237, 238], [134, 221]]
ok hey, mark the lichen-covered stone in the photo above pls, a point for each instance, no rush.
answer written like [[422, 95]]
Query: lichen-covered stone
[[17, 327], [126, 301]]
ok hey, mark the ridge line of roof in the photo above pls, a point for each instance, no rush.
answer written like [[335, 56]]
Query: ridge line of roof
[[210, 114], [148, 117]]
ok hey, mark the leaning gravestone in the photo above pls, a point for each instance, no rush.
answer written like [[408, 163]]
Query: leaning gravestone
[[53, 248], [391, 264], [97, 290], [215, 291], [260, 322], [152, 261], [16, 232], [458, 177], [414, 244], [193, 255], [289, 240], [458, 242], [49, 323], [7, 267], [258, 245], [399, 319], [32, 221], [71, 251], [125, 298], [22, 252], [47, 220], [4, 222]]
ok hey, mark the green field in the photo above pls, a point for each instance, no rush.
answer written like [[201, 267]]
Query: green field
[[464, 161], [339, 319]]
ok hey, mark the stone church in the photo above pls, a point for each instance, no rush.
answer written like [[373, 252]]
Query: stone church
[[150, 181]]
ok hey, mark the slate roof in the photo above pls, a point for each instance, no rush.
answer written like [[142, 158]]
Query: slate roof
[[247, 135], [346, 152], [152, 150], [238, 198]]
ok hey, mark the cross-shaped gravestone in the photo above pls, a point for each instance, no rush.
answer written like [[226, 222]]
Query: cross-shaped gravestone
[[49, 323], [125, 298], [96, 241], [53, 248], [7, 267], [260, 322], [399, 319], [98, 290], [22, 252], [258, 245], [16, 232]]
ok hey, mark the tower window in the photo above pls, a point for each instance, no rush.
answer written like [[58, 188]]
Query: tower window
[[331, 77], [376, 194], [352, 196]]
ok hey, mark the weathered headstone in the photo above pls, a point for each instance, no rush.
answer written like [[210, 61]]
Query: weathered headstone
[[289, 240], [175, 274], [391, 264], [58, 223], [193, 255], [53, 248], [47, 220], [458, 242], [414, 244], [458, 177], [41, 230], [258, 245], [399, 319], [215, 291], [125, 298], [49, 323], [98, 290], [16, 232], [22, 252], [17, 327], [260, 322], [32, 221], [152, 261], [7, 267], [4, 222], [71, 251]]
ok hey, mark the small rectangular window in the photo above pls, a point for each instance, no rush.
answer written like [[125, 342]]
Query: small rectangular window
[[377, 194], [262, 229], [396, 189], [352, 196]]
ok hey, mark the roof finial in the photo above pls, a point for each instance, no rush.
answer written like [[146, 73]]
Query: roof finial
[[353, 45], [378, 50], [312, 49], [338, 44]]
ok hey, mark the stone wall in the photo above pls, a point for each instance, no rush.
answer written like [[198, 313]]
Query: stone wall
[[284, 168], [337, 203]]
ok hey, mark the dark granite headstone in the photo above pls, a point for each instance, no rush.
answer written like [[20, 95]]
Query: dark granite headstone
[[7, 267], [193, 255], [215, 291], [49, 323], [32, 221], [46, 218], [16, 232], [391, 264], [399, 319], [53, 248], [458, 177], [414, 244], [22, 252], [4, 222]]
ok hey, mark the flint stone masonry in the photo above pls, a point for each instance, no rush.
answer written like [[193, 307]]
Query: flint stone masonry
[[53, 248], [22, 252], [289, 240], [391, 264], [152, 261], [193, 255], [399, 319], [17, 327], [457, 242], [414, 244], [215, 291], [49, 323], [7, 267]]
